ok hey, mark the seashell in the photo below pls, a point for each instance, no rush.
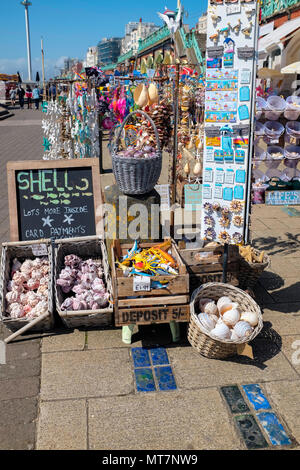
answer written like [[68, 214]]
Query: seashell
[[250, 317], [226, 307], [203, 302], [243, 329], [141, 96], [197, 169], [221, 331], [153, 94], [207, 321], [234, 336], [211, 308], [222, 301], [231, 317], [187, 169]]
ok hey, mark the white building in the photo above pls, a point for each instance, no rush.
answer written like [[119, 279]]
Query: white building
[[134, 31], [202, 24], [91, 57]]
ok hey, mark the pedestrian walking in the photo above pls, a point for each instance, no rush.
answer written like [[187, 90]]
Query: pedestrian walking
[[21, 94], [36, 96], [52, 91], [12, 95], [28, 95]]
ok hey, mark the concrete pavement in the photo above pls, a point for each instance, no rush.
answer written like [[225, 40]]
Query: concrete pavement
[[78, 389]]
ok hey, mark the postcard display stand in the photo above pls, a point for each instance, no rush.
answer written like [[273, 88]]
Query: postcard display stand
[[231, 45]]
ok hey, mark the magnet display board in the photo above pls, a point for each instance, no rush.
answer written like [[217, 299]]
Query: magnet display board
[[53, 199], [230, 76]]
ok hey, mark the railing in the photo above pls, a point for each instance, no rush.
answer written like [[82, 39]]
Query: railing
[[190, 41], [273, 7], [126, 56], [109, 67], [153, 38]]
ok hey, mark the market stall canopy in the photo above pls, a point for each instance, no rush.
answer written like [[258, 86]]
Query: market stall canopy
[[292, 68], [268, 73], [278, 36]]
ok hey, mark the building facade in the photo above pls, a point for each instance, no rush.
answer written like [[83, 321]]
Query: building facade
[[91, 57], [134, 32], [109, 50]]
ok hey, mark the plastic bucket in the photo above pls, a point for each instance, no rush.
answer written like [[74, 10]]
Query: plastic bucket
[[273, 130], [292, 110], [261, 104], [259, 128], [274, 152], [259, 194], [275, 107], [259, 153]]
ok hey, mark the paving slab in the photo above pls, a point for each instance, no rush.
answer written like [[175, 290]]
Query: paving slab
[[62, 425], [64, 341], [18, 368], [151, 421], [289, 292], [19, 388], [107, 339], [17, 436], [78, 374], [192, 370], [285, 397], [18, 411], [284, 323], [291, 349]]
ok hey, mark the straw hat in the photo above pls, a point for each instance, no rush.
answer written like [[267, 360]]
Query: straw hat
[[153, 94], [141, 96]]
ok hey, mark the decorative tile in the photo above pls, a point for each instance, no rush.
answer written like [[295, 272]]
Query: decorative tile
[[234, 399], [140, 357], [274, 429], [144, 380], [256, 397], [165, 378], [250, 432], [159, 356]]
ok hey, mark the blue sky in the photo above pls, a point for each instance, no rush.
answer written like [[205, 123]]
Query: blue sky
[[69, 27]]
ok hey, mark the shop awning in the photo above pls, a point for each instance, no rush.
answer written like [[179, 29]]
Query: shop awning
[[268, 42]]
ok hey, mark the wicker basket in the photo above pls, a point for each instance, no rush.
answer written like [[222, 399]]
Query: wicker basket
[[86, 248], [201, 340], [136, 175], [22, 251], [249, 273]]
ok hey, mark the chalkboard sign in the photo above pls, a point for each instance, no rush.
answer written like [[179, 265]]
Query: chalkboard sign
[[53, 199]]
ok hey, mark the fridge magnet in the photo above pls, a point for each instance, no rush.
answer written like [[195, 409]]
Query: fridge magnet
[[237, 237], [243, 112], [224, 237], [236, 207], [224, 222], [245, 77], [240, 142], [219, 156], [228, 59], [225, 30], [238, 221], [216, 2], [239, 192], [249, 12], [213, 142], [215, 18], [246, 52], [226, 143], [216, 207], [240, 156], [225, 212], [229, 176], [208, 206], [215, 37], [219, 174], [218, 191], [207, 191], [246, 31], [240, 176], [210, 234], [244, 93], [228, 156], [236, 26], [209, 154], [209, 221], [214, 63], [215, 51], [208, 175], [228, 194]]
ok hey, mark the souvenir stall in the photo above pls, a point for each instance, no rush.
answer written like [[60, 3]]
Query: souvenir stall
[[70, 123], [59, 260]]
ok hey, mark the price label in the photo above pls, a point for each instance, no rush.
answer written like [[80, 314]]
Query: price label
[[232, 9], [141, 283], [39, 249]]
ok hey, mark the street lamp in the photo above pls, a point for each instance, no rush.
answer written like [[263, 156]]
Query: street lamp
[[27, 4]]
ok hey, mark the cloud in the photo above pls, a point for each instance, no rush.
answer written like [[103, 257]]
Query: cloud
[[12, 66]]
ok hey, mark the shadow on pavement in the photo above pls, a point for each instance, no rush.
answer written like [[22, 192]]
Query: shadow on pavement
[[275, 246]]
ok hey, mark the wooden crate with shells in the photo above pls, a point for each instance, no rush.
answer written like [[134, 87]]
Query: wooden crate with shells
[[25, 250]]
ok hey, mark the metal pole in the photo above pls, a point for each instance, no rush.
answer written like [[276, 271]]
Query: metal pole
[[26, 4], [43, 69]]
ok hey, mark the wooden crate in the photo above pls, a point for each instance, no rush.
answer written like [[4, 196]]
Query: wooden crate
[[196, 280], [167, 304]]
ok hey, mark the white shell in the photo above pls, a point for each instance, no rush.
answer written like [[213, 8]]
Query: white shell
[[187, 169], [222, 301], [221, 331], [243, 329], [250, 317], [211, 308], [197, 169], [203, 302], [227, 307], [206, 321], [234, 336], [231, 317]]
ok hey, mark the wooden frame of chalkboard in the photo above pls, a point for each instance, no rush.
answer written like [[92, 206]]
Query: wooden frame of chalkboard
[[14, 198]]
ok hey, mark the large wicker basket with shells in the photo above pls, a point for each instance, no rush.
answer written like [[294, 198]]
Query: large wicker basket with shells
[[136, 171], [251, 266], [222, 318]]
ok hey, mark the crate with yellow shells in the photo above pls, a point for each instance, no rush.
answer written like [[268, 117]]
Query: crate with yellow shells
[[223, 320], [252, 264]]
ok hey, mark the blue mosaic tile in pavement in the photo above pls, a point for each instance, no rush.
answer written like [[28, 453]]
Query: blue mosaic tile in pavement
[[144, 380], [256, 397], [235, 399], [274, 429], [165, 378], [159, 357], [250, 432], [140, 357]]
